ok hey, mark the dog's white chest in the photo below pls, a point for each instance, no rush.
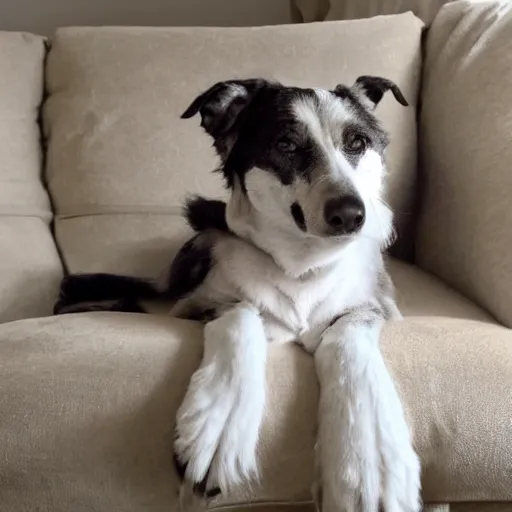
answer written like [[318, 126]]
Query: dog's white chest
[[291, 308]]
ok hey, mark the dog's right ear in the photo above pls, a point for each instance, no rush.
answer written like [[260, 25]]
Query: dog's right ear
[[222, 103]]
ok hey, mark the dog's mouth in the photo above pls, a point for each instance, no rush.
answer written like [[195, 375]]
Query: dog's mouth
[[298, 216]]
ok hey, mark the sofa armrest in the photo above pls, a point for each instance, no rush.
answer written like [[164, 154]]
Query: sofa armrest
[[465, 226]]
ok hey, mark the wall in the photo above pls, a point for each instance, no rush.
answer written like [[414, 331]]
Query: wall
[[42, 16]]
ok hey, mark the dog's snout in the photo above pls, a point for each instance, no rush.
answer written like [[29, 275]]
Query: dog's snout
[[344, 215]]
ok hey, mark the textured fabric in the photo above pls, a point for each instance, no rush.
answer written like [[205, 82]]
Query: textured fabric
[[420, 294], [29, 265], [136, 244], [30, 269], [88, 403], [318, 10], [117, 145], [465, 230], [455, 379], [21, 72]]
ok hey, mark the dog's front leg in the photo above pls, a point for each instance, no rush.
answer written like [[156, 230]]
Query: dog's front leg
[[218, 422], [365, 453]]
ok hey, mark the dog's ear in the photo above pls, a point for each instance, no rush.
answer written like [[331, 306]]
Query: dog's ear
[[222, 103], [371, 89]]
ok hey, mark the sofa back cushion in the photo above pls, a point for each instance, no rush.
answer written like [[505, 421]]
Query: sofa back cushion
[[30, 268], [120, 159], [465, 231]]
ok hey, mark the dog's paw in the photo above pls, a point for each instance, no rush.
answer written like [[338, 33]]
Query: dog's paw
[[217, 430], [401, 481], [350, 471], [400, 465], [361, 472], [366, 457]]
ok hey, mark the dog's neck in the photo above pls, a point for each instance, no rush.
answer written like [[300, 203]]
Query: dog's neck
[[297, 256]]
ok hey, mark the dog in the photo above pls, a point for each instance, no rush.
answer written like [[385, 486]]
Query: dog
[[296, 254]]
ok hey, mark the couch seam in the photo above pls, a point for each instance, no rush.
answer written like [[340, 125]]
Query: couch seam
[[44, 157]]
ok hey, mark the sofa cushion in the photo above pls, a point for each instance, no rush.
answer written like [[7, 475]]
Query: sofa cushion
[[420, 294], [30, 268], [119, 150], [88, 403], [465, 230]]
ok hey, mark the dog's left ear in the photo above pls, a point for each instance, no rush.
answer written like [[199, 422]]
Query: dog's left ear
[[222, 103], [371, 89]]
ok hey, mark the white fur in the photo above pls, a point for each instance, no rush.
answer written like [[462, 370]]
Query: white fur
[[364, 445], [365, 449], [291, 285], [219, 419]]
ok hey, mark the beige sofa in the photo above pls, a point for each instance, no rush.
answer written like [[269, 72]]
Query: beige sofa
[[94, 162]]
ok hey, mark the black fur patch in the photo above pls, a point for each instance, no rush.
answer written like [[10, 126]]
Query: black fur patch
[[110, 292], [88, 289], [202, 214], [298, 216], [179, 466], [375, 87], [270, 148], [121, 305], [199, 487], [202, 315], [190, 267]]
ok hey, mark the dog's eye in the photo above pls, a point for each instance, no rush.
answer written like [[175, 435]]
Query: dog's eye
[[356, 143], [286, 145]]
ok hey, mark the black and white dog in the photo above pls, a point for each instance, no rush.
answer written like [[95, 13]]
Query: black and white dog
[[295, 255]]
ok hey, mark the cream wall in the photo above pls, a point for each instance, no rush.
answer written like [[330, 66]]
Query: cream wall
[[42, 16]]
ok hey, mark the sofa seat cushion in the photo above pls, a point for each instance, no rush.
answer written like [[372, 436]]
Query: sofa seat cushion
[[30, 268], [421, 294], [88, 404]]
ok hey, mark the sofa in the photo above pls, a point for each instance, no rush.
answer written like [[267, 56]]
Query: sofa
[[94, 165]]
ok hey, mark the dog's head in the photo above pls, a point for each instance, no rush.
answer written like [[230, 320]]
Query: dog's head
[[308, 160]]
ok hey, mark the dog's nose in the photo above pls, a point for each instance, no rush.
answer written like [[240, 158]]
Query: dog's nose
[[344, 214]]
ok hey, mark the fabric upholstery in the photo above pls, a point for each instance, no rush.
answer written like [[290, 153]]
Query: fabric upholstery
[[134, 244], [423, 295], [118, 147], [30, 268], [465, 230], [88, 403], [320, 10]]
